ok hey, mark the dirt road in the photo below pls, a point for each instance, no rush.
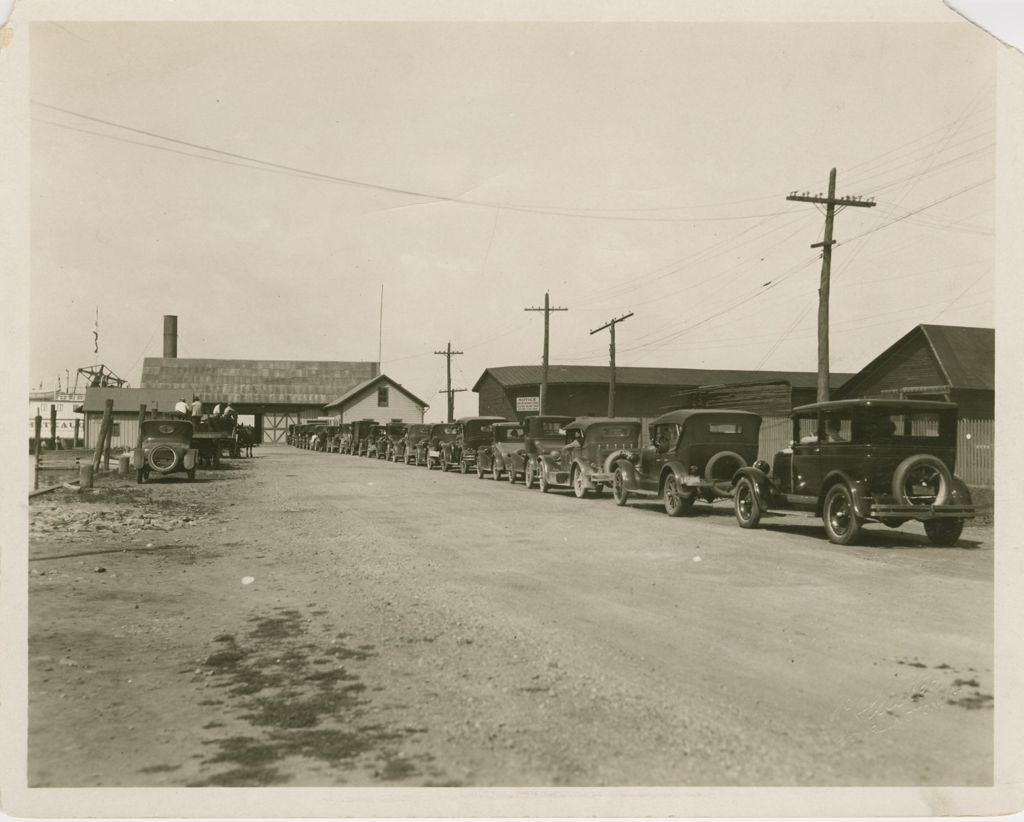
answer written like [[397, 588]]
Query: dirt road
[[313, 619]]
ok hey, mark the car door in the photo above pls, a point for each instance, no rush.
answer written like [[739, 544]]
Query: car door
[[662, 449], [805, 467]]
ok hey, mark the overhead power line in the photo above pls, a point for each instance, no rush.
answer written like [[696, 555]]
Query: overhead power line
[[409, 192]]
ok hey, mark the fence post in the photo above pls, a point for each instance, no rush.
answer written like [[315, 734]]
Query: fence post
[[38, 444], [74, 443], [138, 440], [101, 440], [53, 427]]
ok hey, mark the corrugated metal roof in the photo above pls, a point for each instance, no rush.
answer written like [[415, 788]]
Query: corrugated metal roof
[[967, 355], [514, 375], [369, 384], [129, 399], [267, 382]]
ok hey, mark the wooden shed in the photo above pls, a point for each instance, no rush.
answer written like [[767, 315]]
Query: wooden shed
[[126, 411], [380, 399]]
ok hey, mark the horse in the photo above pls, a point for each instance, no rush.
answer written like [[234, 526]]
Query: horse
[[246, 438]]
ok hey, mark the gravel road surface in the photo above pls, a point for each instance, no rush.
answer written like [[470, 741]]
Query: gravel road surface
[[310, 619]]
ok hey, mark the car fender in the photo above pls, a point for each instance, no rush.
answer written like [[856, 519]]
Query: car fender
[[498, 460], [583, 467], [959, 495], [762, 484], [674, 467], [190, 459], [630, 480], [858, 488], [549, 463]]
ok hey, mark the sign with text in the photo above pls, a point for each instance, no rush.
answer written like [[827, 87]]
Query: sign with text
[[527, 403]]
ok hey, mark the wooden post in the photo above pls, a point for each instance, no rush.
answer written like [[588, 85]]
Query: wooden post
[[138, 440], [110, 439], [85, 475], [38, 445], [75, 442], [53, 427], [105, 427]]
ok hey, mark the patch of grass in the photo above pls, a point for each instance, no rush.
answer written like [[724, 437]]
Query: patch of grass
[[397, 768], [160, 769]]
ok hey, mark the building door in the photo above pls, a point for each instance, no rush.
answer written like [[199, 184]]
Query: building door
[[274, 425]]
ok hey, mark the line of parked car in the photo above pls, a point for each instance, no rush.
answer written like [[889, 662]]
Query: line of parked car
[[849, 461]]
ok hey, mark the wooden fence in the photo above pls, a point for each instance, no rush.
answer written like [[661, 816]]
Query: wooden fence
[[975, 452]]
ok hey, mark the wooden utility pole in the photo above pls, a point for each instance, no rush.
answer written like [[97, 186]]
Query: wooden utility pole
[[611, 379], [547, 309], [53, 427], [830, 202], [451, 392]]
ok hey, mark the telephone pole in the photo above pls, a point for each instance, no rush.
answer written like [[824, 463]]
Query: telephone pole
[[451, 392], [547, 309], [611, 380], [830, 202]]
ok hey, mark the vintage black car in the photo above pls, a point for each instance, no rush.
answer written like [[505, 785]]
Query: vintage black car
[[506, 438], [855, 461], [591, 446], [395, 434], [368, 434], [345, 438], [416, 439], [166, 449], [441, 433], [542, 433], [472, 433], [694, 453]]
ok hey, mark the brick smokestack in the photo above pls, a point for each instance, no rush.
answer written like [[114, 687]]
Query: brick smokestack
[[170, 336]]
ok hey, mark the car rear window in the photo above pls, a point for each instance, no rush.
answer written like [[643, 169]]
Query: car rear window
[[725, 428], [550, 429], [613, 432]]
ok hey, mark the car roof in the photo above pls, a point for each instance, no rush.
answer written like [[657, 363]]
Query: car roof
[[583, 423], [683, 414], [461, 420], [506, 424], [879, 402]]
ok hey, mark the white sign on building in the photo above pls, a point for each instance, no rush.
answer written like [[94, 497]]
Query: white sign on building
[[527, 403]]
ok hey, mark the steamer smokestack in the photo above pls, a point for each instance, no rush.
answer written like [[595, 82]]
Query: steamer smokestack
[[170, 336]]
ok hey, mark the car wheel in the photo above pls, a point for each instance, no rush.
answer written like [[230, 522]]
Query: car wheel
[[619, 492], [529, 476], [748, 509], [922, 479], [542, 480], [839, 517], [943, 532], [677, 502], [579, 484], [463, 468]]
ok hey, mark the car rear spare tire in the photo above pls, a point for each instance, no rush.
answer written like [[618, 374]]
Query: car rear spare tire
[[162, 458], [922, 479]]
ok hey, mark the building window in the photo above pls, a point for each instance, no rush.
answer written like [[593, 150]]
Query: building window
[[382, 397], [117, 429]]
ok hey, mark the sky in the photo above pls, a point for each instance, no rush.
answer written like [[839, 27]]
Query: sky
[[264, 181]]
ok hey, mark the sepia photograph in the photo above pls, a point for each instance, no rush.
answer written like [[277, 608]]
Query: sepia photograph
[[557, 408]]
